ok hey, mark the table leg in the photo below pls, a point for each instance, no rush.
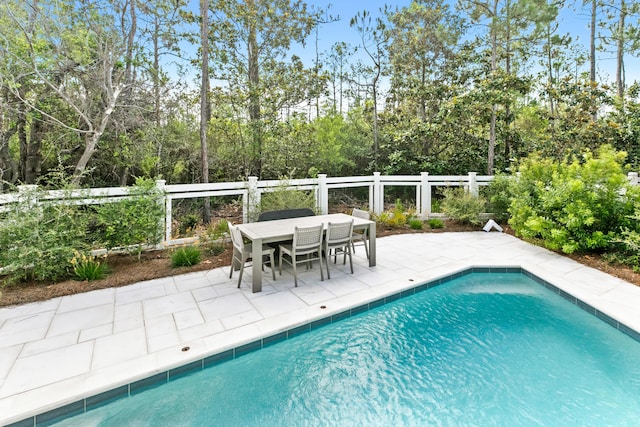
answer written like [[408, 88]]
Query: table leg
[[256, 257], [372, 244]]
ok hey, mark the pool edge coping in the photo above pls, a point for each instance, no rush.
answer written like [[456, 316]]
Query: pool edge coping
[[82, 405]]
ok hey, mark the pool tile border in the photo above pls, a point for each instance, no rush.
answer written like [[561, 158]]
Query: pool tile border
[[131, 389]]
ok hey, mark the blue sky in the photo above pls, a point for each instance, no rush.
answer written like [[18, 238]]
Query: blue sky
[[574, 22]]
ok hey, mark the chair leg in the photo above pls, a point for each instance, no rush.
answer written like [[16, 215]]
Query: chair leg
[[320, 259], [272, 265], [294, 264], [327, 257], [350, 258], [241, 271], [366, 246]]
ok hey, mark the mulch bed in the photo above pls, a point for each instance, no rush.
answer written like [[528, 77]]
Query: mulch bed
[[126, 269]]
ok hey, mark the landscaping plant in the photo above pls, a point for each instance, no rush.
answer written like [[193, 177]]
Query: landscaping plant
[[37, 238], [575, 205], [135, 222], [186, 257], [88, 267], [463, 206]]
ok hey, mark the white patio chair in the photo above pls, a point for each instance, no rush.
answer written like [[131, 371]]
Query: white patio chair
[[360, 237], [242, 253], [306, 247], [338, 238]]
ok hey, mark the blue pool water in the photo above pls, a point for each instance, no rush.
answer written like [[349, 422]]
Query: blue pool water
[[485, 349]]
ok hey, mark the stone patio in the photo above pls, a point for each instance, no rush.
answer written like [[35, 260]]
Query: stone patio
[[56, 352]]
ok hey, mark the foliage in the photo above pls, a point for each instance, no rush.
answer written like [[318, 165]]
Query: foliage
[[284, 197], [498, 195], [37, 239], [134, 222], [213, 236], [463, 206], [88, 267], [187, 224], [397, 217], [435, 223], [186, 257], [415, 224], [578, 204]]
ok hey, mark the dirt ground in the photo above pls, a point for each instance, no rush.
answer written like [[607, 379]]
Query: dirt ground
[[126, 270]]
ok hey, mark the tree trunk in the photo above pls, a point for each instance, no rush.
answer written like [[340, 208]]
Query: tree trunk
[[620, 51], [494, 109], [205, 107], [592, 49], [254, 96], [91, 141]]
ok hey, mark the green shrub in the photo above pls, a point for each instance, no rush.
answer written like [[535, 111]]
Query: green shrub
[[436, 223], [186, 257], [463, 206], [37, 239], [285, 198], [88, 267], [134, 222], [187, 224], [415, 223], [213, 237], [575, 205], [498, 195]]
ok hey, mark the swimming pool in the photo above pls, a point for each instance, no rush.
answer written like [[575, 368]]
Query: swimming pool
[[483, 349]]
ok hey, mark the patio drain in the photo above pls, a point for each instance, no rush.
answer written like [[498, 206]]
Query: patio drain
[[187, 348]]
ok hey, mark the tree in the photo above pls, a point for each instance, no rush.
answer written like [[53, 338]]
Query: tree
[[250, 41], [374, 38], [205, 105], [76, 53], [510, 24]]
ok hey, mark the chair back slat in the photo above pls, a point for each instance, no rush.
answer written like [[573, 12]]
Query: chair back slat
[[307, 237], [339, 232], [236, 237], [358, 213]]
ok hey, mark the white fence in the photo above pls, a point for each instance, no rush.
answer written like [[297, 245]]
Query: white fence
[[251, 191]]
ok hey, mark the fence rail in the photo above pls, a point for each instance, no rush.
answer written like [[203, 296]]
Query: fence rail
[[252, 190]]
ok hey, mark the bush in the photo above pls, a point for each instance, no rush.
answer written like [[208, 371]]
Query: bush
[[186, 257], [135, 222], [187, 224], [498, 194], [398, 217], [415, 224], [37, 239], [213, 237], [463, 206], [579, 205], [436, 223], [285, 198], [88, 267]]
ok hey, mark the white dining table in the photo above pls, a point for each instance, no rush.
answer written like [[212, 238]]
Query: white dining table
[[281, 230]]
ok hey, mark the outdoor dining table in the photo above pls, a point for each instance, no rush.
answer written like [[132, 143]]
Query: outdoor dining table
[[282, 230]]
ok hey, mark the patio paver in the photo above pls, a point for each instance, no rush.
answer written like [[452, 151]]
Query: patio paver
[[55, 352]]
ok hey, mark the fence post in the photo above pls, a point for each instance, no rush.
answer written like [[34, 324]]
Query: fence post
[[378, 197], [166, 200], [633, 178], [250, 200], [323, 194], [425, 197], [473, 184]]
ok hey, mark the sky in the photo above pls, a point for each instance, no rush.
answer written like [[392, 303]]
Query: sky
[[572, 22]]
